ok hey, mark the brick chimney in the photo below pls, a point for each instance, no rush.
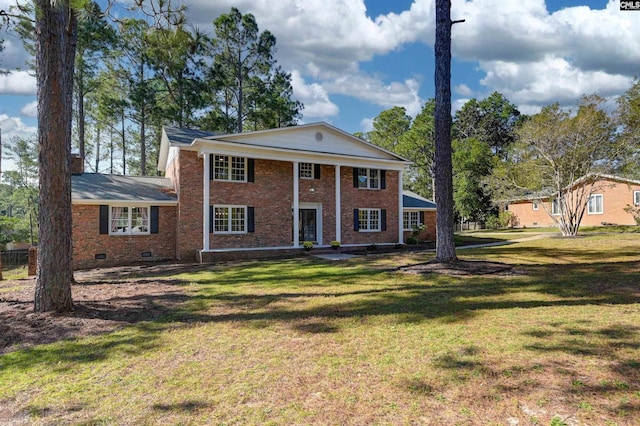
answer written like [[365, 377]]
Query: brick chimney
[[77, 164]]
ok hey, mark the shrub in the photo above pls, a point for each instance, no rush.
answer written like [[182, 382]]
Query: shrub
[[335, 244], [307, 245], [634, 211], [503, 220], [411, 240]]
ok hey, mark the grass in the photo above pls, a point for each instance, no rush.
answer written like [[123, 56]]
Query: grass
[[14, 273], [313, 342]]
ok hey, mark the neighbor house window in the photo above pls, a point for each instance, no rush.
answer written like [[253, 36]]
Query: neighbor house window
[[369, 220], [306, 170], [595, 204], [129, 220], [411, 220], [229, 168], [535, 205], [368, 178], [636, 198], [230, 219], [555, 207]]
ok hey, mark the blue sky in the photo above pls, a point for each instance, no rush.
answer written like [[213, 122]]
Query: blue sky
[[352, 59]]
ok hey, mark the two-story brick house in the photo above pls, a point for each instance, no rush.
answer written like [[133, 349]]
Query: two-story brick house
[[253, 194]]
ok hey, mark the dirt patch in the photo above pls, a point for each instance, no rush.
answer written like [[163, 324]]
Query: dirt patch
[[459, 268], [104, 300]]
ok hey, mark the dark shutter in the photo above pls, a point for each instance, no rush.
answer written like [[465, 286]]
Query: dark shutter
[[104, 219], [383, 220], [316, 171], [251, 170], [211, 166], [154, 216], [383, 180], [356, 220], [250, 219], [355, 177], [211, 219], [421, 214]]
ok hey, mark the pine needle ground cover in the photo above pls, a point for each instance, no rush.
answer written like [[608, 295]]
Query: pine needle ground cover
[[308, 341]]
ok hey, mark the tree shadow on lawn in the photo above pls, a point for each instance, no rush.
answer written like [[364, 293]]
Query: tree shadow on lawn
[[221, 298]]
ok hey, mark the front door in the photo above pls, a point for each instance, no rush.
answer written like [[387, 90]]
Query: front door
[[308, 226]]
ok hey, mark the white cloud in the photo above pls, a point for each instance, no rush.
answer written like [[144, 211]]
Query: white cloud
[[536, 58], [314, 97], [551, 80], [333, 34], [463, 90], [17, 83], [30, 109], [366, 124], [372, 89], [14, 127]]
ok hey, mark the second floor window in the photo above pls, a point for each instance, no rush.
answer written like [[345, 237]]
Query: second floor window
[[229, 168], [369, 178]]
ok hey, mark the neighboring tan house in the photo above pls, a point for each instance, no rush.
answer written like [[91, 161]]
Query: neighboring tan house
[[246, 189], [609, 197]]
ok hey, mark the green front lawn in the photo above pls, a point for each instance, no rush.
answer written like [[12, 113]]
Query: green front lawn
[[308, 341]]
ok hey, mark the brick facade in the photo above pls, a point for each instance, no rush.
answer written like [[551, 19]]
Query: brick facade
[[187, 169], [429, 234], [119, 249], [271, 195], [616, 195]]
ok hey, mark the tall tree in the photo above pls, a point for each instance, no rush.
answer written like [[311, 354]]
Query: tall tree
[[244, 81], [95, 38], [493, 120], [389, 127], [175, 53], [418, 145], [628, 118], [567, 148], [23, 182], [445, 245], [56, 37], [472, 161]]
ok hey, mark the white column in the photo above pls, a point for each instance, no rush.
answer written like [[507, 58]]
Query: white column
[[338, 206], [296, 206], [400, 213], [205, 202]]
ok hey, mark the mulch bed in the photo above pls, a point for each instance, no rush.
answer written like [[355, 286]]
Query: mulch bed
[[459, 268], [104, 300]]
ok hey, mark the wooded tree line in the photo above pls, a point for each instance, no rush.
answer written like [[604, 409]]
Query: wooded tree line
[[500, 154], [134, 75]]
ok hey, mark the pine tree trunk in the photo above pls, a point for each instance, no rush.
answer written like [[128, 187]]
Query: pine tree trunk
[[55, 50], [445, 245]]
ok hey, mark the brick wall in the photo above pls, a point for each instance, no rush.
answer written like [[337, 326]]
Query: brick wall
[[354, 198], [188, 169], [121, 249], [615, 197], [429, 234]]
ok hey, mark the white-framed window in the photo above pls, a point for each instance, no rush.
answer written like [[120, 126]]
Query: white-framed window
[[306, 170], [127, 220], [535, 205], [636, 198], [369, 220], [595, 204], [410, 220], [368, 178], [555, 207], [229, 168], [229, 219]]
